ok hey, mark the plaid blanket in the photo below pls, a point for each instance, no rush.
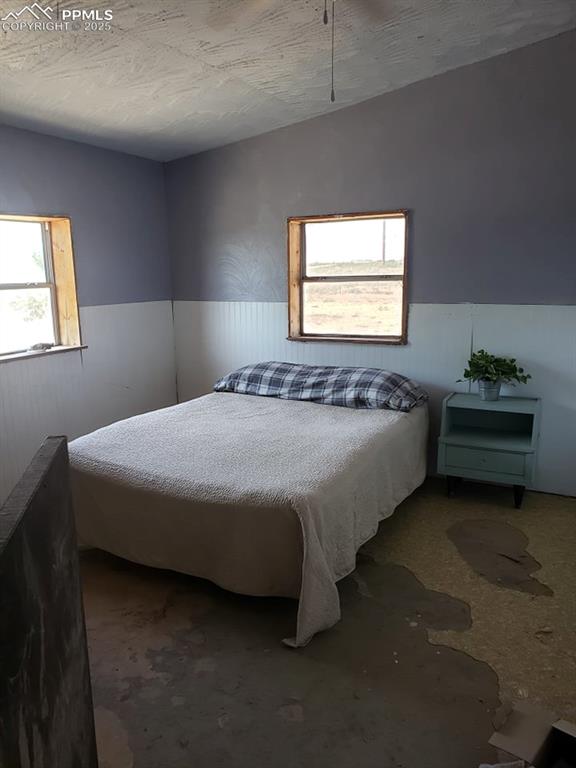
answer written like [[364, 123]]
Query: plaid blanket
[[329, 385]]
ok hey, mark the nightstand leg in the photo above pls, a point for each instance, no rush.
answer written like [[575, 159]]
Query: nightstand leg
[[518, 495], [450, 486]]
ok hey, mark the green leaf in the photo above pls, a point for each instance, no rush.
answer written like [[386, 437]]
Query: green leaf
[[487, 367]]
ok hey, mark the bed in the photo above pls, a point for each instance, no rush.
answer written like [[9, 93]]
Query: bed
[[260, 495]]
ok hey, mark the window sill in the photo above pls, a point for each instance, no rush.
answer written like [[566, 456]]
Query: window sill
[[40, 353], [393, 340]]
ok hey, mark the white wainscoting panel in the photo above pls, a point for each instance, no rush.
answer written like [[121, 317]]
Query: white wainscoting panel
[[213, 338], [128, 368], [543, 338]]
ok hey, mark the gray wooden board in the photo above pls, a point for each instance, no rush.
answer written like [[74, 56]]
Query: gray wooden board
[[46, 714]]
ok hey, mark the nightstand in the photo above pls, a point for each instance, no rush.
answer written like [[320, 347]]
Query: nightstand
[[495, 440]]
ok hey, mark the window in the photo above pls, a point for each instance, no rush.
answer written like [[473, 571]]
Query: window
[[347, 277], [37, 285]]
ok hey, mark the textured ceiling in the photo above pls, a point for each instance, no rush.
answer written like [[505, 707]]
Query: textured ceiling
[[174, 77]]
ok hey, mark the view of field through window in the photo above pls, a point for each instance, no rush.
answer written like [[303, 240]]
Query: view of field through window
[[25, 301], [353, 248]]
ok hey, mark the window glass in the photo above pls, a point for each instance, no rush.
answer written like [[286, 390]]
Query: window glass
[[354, 248], [25, 319], [21, 252], [353, 308]]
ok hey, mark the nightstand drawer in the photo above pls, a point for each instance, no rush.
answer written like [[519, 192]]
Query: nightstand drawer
[[486, 461]]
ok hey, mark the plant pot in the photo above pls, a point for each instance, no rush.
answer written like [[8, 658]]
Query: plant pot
[[489, 390]]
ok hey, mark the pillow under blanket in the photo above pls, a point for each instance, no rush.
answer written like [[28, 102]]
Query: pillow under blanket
[[326, 384]]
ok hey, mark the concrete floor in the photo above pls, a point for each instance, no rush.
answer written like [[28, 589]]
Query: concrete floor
[[447, 614]]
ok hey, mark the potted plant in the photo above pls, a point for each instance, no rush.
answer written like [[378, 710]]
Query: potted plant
[[491, 372]]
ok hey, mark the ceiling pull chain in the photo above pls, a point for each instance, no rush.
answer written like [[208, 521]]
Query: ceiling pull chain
[[332, 92], [325, 11]]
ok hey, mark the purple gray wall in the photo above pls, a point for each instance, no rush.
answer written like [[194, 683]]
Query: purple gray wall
[[116, 203], [483, 156]]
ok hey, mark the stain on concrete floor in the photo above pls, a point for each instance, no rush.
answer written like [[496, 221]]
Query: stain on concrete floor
[[187, 674], [497, 551], [528, 640]]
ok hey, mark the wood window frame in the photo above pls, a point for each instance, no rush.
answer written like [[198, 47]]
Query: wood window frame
[[297, 278], [61, 279]]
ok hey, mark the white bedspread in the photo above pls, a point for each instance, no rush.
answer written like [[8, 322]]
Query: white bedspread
[[339, 471]]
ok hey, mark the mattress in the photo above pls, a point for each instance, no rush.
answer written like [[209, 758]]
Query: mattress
[[260, 496]]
